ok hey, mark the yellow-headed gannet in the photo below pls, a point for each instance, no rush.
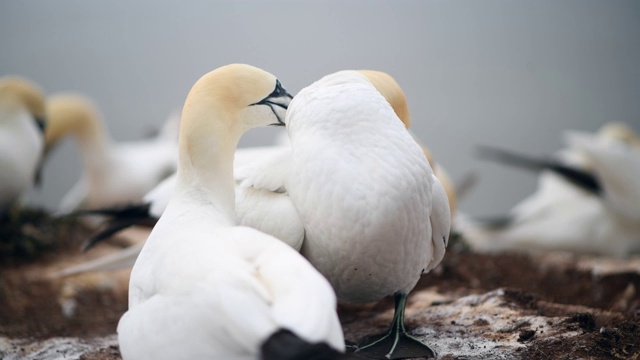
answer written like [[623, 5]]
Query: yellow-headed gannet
[[203, 287]]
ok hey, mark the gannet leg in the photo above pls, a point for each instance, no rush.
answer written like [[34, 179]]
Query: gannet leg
[[396, 343]]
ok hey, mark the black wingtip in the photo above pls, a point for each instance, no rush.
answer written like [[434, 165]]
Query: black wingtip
[[113, 227], [131, 210], [579, 177], [495, 223], [121, 218], [285, 345], [511, 158]]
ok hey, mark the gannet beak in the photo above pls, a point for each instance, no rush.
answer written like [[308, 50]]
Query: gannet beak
[[279, 98]]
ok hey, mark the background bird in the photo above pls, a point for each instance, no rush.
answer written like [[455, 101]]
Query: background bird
[[586, 202], [114, 173], [22, 123]]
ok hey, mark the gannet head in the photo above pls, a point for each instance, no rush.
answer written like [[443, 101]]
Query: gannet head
[[69, 114], [228, 101], [23, 92], [245, 95], [391, 91], [620, 132]]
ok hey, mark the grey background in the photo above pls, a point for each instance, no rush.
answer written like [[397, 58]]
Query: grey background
[[509, 73]]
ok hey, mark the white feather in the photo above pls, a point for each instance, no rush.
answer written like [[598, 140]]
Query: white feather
[[21, 148]]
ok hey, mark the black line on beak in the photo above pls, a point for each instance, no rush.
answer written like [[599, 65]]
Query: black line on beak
[[280, 122], [278, 92]]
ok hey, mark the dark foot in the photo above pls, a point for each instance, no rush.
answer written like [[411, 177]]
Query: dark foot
[[396, 343], [396, 346], [350, 346]]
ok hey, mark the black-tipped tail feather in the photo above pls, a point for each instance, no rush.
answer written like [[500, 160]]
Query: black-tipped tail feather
[[578, 177], [285, 345], [122, 217]]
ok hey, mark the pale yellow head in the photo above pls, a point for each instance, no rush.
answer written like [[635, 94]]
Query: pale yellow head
[[228, 101], [70, 114], [621, 132], [390, 90], [26, 93]]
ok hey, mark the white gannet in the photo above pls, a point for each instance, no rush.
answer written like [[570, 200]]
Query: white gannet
[[261, 198], [203, 287], [22, 113], [265, 208], [375, 216], [114, 173], [587, 200]]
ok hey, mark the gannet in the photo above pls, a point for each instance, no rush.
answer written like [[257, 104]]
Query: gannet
[[203, 287], [22, 113], [375, 216], [587, 200], [261, 198], [114, 173]]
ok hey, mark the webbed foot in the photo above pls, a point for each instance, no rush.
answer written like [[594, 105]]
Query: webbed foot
[[396, 343]]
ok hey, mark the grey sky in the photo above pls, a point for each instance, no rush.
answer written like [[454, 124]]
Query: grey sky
[[508, 73]]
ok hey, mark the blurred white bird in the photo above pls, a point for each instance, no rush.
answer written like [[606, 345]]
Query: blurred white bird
[[114, 173], [22, 113], [202, 287], [375, 216], [587, 201]]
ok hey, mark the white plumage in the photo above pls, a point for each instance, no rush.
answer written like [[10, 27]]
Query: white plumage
[[363, 188], [202, 287], [261, 198], [21, 138], [561, 215], [375, 217], [114, 173]]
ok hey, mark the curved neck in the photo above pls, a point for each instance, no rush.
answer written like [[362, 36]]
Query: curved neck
[[93, 141], [205, 165]]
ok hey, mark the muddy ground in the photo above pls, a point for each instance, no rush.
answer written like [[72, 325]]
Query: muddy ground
[[473, 306]]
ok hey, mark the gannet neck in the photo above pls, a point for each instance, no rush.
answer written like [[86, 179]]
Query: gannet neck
[[221, 106], [391, 91], [205, 164], [75, 115], [26, 92]]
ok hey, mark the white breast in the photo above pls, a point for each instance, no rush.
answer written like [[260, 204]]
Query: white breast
[[211, 292], [363, 189]]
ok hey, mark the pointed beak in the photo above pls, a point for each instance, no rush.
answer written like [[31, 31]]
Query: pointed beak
[[279, 98]]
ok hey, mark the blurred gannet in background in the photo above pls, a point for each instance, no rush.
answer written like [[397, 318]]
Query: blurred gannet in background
[[22, 113], [203, 287], [587, 201], [375, 216], [114, 173]]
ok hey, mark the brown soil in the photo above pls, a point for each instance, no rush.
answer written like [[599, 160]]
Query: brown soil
[[556, 306]]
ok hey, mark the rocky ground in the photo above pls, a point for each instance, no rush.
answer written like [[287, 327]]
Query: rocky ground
[[473, 306]]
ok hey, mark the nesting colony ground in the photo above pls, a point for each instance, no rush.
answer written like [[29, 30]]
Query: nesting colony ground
[[473, 306]]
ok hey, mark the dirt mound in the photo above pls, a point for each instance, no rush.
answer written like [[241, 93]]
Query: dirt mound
[[473, 306]]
